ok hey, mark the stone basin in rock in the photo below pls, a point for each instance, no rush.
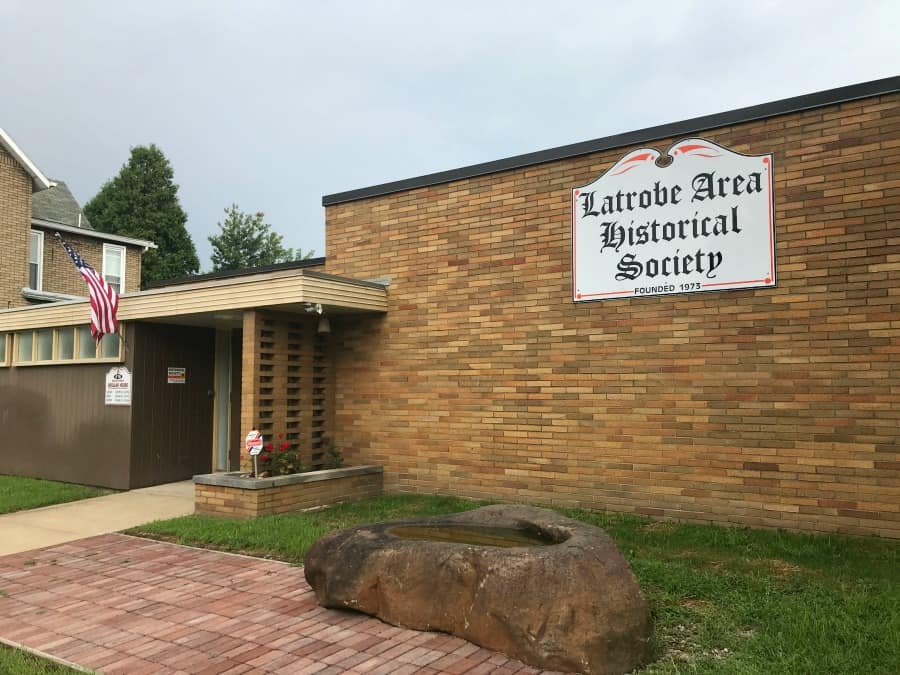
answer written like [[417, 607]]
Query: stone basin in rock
[[528, 582], [477, 535]]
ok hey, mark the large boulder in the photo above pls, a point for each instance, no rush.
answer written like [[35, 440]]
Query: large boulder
[[570, 605]]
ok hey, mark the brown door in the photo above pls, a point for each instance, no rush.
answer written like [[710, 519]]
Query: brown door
[[172, 423]]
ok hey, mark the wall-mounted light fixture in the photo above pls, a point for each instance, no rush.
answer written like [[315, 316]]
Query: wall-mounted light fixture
[[324, 325]]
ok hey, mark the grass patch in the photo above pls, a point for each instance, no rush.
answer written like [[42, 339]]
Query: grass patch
[[18, 662], [724, 600], [288, 536], [736, 600], [19, 494]]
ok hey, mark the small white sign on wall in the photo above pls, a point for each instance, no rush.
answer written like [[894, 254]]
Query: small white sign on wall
[[118, 386], [703, 222], [176, 375]]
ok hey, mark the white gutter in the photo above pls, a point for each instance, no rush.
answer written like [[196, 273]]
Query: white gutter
[[83, 232], [38, 180], [45, 296]]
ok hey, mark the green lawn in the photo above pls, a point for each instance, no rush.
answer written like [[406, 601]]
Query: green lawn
[[287, 537], [724, 600], [17, 662], [18, 494]]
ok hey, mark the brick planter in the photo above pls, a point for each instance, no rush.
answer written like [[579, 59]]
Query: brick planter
[[234, 495]]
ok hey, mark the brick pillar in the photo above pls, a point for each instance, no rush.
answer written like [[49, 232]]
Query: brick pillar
[[249, 379]]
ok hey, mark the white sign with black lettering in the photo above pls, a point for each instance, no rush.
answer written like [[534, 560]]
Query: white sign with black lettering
[[118, 386], [704, 222]]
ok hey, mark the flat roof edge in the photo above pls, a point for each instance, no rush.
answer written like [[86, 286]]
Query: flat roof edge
[[264, 291], [853, 92], [362, 283], [243, 272]]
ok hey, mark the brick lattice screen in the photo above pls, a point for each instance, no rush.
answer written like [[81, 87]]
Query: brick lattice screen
[[286, 387]]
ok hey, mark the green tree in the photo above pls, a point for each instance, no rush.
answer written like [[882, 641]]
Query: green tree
[[142, 201], [245, 241]]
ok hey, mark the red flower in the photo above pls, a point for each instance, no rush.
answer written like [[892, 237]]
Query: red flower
[[280, 435], [285, 446], [264, 457], [269, 446]]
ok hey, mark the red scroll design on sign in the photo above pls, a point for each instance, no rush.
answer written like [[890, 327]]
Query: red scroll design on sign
[[696, 149], [633, 160]]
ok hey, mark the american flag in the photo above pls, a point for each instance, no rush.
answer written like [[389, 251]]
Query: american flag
[[104, 300]]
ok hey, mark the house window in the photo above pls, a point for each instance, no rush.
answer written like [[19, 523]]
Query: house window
[[65, 349], [66, 344], [35, 261], [109, 346], [44, 344], [114, 266], [87, 348], [24, 347]]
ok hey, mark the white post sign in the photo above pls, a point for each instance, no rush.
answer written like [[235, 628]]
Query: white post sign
[[118, 386], [254, 443], [705, 222]]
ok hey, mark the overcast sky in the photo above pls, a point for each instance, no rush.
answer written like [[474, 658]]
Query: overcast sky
[[271, 105]]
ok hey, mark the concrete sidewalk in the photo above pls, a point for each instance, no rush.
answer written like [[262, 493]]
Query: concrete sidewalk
[[51, 525]]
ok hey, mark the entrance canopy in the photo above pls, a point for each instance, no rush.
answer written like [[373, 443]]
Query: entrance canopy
[[218, 302]]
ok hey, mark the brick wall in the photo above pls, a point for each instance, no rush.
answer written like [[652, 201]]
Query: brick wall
[[769, 407], [233, 502], [60, 275], [15, 220]]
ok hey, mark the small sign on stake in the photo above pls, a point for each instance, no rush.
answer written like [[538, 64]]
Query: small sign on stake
[[254, 443]]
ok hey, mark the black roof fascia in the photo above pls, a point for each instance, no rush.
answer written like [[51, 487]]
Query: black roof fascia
[[346, 280], [887, 85], [228, 274]]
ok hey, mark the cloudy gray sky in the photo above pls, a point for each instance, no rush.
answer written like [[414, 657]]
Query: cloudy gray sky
[[272, 104]]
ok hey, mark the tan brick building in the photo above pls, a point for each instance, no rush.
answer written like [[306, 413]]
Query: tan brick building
[[775, 407], [460, 358]]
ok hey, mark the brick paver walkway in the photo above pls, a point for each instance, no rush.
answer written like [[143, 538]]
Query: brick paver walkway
[[121, 604]]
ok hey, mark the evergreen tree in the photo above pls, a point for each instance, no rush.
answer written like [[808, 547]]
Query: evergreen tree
[[142, 202], [245, 241]]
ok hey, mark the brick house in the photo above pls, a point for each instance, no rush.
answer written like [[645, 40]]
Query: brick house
[[34, 208], [461, 358]]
